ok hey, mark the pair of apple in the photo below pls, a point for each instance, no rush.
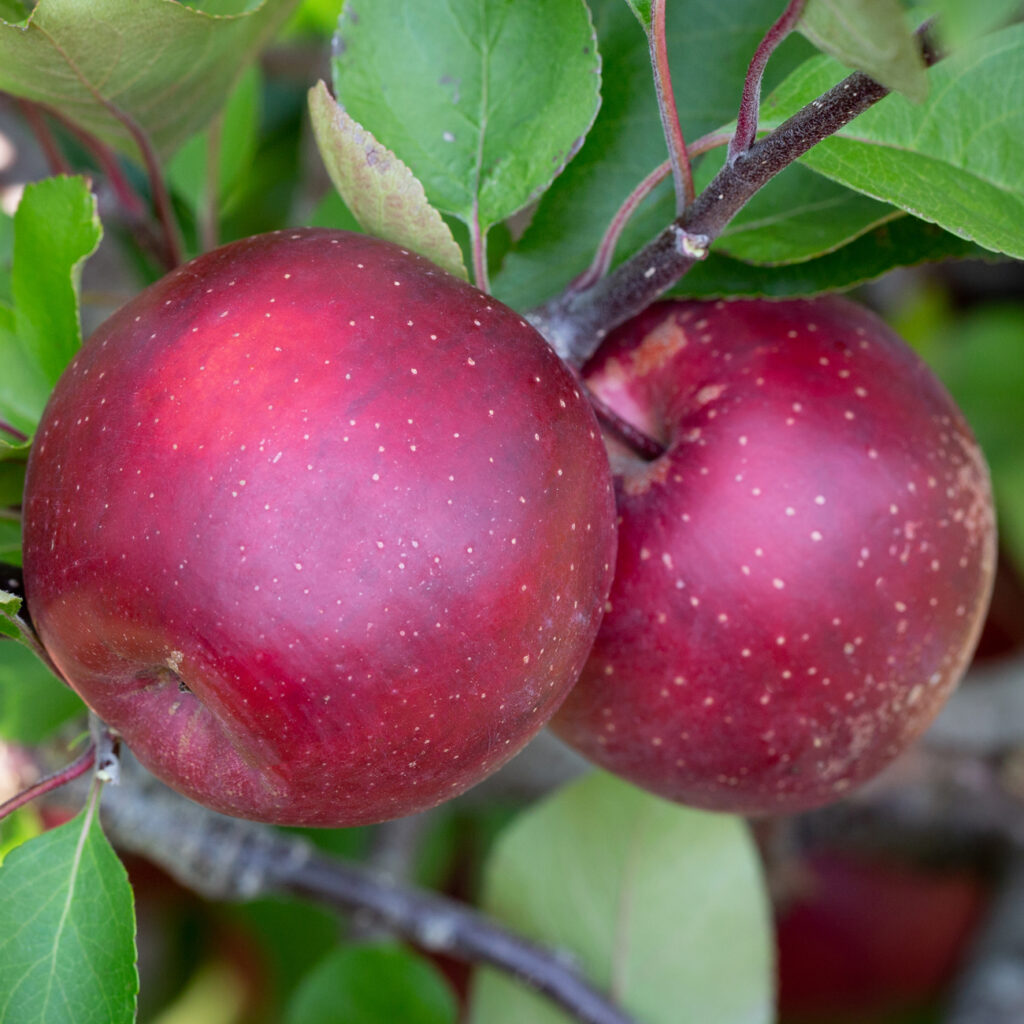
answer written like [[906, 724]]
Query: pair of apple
[[328, 536]]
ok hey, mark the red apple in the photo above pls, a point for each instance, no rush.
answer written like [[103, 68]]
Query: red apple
[[865, 938], [802, 575], [323, 532]]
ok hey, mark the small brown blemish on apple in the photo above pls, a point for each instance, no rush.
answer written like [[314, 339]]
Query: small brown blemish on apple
[[658, 347]]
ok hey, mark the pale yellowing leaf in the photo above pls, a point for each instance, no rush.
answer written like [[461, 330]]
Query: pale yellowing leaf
[[384, 196]]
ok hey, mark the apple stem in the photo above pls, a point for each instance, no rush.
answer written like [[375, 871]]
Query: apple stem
[[36, 120], [227, 858], [750, 103], [576, 322], [49, 783], [642, 444], [478, 243], [606, 250], [679, 159], [14, 432]]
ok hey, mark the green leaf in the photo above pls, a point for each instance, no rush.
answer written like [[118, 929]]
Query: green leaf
[[331, 212], [316, 17], [710, 44], [642, 10], [67, 949], [13, 11], [380, 984], [493, 99], [960, 21], [165, 65], [872, 36], [55, 229], [952, 160], [12, 477], [10, 607], [380, 191], [10, 548], [18, 828], [902, 242], [663, 906], [33, 702]]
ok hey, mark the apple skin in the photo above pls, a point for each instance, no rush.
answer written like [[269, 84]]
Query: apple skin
[[801, 577], [864, 938], [323, 532]]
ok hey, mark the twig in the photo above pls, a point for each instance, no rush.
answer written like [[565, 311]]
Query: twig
[[750, 104], [228, 859], [392, 855], [575, 322]]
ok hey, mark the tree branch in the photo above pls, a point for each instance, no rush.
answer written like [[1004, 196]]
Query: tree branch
[[229, 859], [575, 322]]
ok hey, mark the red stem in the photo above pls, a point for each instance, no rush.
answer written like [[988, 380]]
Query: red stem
[[606, 250], [47, 142], [750, 103], [677, 154], [8, 428], [107, 159], [51, 782], [640, 443], [158, 186]]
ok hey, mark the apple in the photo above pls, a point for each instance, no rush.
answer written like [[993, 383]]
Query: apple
[[867, 937], [803, 573], [324, 533]]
